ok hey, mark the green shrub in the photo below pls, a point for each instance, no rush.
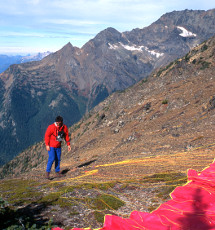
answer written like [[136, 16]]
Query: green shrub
[[194, 61], [105, 201], [99, 216], [144, 80], [165, 102], [187, 58], [165, 191], [204, 47], [205, 65]]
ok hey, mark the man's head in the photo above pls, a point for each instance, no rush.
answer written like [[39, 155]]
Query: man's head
[[59, 121]]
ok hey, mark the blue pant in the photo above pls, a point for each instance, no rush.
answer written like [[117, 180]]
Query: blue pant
[[54, 155]]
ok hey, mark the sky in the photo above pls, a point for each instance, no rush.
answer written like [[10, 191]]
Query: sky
[[32, 26]]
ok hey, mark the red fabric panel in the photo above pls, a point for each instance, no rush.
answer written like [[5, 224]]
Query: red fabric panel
[[192, 207]]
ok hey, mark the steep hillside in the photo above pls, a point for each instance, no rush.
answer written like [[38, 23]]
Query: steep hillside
[[74, 80], [128, 153]]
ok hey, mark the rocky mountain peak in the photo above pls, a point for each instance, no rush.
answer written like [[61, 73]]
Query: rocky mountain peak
[[109, 35], [67, 46], [68, 49], [63, 56], [196, 20]]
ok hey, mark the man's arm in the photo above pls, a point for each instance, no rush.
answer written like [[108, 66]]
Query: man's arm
[[47, 138], [67, 138]]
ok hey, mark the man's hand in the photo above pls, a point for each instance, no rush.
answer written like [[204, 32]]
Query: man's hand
[[47, 147], [69, 148]]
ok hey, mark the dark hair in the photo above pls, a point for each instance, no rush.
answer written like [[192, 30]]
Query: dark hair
[[58, 119]]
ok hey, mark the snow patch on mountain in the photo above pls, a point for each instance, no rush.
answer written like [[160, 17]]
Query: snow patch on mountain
[[185, 33], [132, 48], [135, 48], [154, 53]]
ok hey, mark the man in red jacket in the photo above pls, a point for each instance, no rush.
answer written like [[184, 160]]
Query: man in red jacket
[[54, 135]]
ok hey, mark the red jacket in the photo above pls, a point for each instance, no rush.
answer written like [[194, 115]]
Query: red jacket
[[51, 134]]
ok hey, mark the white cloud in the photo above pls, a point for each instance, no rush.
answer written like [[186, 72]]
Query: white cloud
[[67, 19], [71, 22], [21, 34], [20, 50], [33, 2]]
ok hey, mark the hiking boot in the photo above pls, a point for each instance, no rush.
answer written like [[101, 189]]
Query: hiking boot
[[58, 174], [47, 175]]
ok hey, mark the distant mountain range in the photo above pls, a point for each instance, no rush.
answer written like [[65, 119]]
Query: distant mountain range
[[73, 80], [6, 60]]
